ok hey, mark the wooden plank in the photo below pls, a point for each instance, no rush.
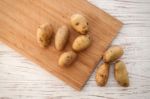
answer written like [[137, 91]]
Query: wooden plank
[[19, 20]]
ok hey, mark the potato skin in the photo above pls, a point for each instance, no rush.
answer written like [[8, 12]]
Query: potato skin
[[44, 35], [102, 74], [81, 43], [121, 74], [61, 38], [67, 58], [79, 23], [113, 53]]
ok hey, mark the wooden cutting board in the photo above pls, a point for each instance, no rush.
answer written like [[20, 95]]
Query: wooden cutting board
[[19, 20]]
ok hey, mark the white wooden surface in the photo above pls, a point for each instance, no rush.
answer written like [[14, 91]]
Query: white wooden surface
[[21, 79]]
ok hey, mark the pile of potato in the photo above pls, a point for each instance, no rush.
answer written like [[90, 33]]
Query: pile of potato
[[120, 71], [80, 24]]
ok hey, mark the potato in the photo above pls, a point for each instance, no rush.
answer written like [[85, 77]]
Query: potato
[[44, 34], [79, 23], [82, 42], [113, 53], [67, 58], [61, 37], [102, 74], [121, 74]]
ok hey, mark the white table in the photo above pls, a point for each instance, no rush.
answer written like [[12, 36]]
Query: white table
[[21, 79]]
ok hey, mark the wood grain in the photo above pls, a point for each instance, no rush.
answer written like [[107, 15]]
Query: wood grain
[[20, 19], [22, 79]]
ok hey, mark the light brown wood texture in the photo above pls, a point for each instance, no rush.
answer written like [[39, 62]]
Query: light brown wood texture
[[19, 20]]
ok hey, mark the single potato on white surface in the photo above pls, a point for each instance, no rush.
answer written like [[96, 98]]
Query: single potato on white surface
[[113, 53], [102, 74], [121, 74]]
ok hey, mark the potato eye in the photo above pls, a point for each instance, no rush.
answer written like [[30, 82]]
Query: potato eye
[[41, 39], [77, 23], [84, 27]]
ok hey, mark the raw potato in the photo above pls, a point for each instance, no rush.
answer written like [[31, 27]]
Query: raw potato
[[113, 53], [121, 74], [82, 42], [67, 58], [102, 74], [44, 34], [79, 23], [61, 37]]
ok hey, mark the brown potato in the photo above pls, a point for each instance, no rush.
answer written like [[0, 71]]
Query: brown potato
[[67, 58], [44, 34], [82, 42], [79, 23], [61, 37], [102, 74], [121, 74], [113, 53]]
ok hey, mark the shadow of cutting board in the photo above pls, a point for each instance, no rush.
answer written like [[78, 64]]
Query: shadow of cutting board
[[19, 20]]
